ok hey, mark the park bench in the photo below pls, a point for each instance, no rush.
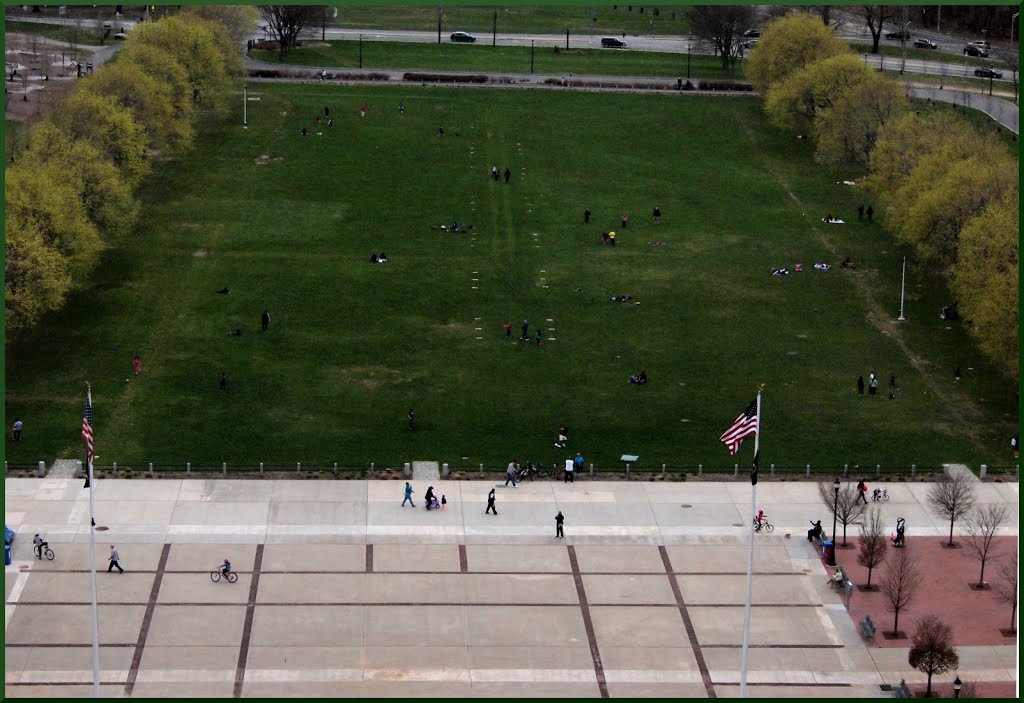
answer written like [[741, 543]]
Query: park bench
[[867, 627], [843, 582], [818, 540], [903, 691]]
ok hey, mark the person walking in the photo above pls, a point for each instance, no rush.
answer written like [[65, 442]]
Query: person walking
[[265, 320], [871, 213], [625, 221], [862, 490], [362, 111], [657, 215], [490, 503], [408, 495], [956, 375], [510, 473], [137, 365], [115, 557], [860, 386], [508, 175], [428, 497], [539, 336], [412, 419], [16, 429], [223, 385], [559, 519], [327, 111], [444, 502], [872, 384], [494, 173], [860, 211]]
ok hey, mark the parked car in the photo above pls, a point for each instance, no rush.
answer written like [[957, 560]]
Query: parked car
[[613, 43], [898, 34], [750, 33], [749, 44], [463, 37], [120, 36], [981, 44], [972, 50], [922, 43], [987, 73]]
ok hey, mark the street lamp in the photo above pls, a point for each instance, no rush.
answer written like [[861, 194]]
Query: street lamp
[[957, 683], [835, 515], [903, 42]]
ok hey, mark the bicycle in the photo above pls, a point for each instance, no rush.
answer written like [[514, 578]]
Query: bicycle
[[880, 494], [531, 470], [47, 552], [216, 574], [763, 525]]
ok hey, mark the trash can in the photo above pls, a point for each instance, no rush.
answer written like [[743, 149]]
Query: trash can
[[7, 555], [828, 552]]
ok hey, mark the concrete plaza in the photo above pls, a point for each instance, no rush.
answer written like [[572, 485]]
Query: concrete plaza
[[342, 592]]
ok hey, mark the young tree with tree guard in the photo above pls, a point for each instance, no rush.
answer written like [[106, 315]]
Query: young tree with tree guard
[[873, 544], [951, 497], [932, 650], [981, 526], [1006, 587], [901, 581]]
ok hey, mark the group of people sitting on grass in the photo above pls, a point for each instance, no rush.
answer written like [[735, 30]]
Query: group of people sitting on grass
[[639, 379], [381, 258], [828, 219], [820, 265], [608, 238], [454, 226]]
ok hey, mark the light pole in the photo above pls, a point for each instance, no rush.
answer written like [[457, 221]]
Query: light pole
[[494, 30], [531, 57], [903, 42], [903, 288], [439, 11], [835, 514], [245, 107], [957, 683]]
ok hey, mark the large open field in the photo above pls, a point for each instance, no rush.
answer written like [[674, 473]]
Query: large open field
[[289, 222]]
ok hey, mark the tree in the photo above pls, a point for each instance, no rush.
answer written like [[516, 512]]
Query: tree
[[900, 584], [795, 101], [35, 274], [849, 507], [159, 63], [873, 544], [849, 130], [875, 16], [981, 526], [108, 127], [932, 651], [788, 45], [1007, 588], [237, 20], [951, 497], [722, 26], [287, 23], [986, 280], [147, 99]]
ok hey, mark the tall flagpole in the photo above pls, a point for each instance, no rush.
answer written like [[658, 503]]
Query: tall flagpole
[[92, 567], [903, 288], [744, 658]]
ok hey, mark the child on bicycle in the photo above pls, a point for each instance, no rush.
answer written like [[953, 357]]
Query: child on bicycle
[[759, 520], [225, 568], [40, 545]]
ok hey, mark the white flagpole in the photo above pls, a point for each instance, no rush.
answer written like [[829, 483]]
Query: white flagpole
[[903, 288], [744, 657], [92, 582]]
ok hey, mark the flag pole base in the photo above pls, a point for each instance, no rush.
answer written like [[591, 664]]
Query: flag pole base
[[901, 318]]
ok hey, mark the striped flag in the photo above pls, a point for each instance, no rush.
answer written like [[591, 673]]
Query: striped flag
[[743, 426], [87, 435]]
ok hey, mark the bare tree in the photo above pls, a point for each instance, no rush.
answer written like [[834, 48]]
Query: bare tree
[[901, 582], [722, 26], [872, 543], [875, 16], [952, 497], [981, 526], [1007, 589], [287, 23], [932, 650], [849, 508]]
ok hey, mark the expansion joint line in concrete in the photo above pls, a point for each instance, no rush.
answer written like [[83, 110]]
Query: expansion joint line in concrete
[[588, 623], [691, 634], [250, 608], [147, 620]]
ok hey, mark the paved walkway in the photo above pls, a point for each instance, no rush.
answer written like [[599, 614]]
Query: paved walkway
[[344, 592]]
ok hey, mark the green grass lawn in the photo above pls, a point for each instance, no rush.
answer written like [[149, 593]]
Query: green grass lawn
[[502, 59], [578, 19], [289, 222], [84, 35]]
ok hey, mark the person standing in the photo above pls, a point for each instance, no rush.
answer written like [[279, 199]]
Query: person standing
[[223, 385], [872, 384], [490, 503], [444, 502], [860, 386], [115, 557], [508, 175], [568, 471], [16, 429], [860, 211], [625, 221], [510, 473], [956, 375], [871, 213], [657, 215], [412, 419], [494, 173], [327, 111], [559, 519], [408, 495], [265, 320], [137, 365], [539, 336], [586, 217], [508, 330], [578, 462], [526, 330], [362, 110]]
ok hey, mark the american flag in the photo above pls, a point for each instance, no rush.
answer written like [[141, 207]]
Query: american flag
[[87, 435], [743, 426]]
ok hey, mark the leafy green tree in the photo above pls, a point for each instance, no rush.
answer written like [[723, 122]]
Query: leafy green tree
[[987, 277], [230, 50], [36, 274], [165, 67], [238, 21], [795, 101], [932, 650], [849, 129], [903, 142], [147, 98], [110, 128], [788, 45]]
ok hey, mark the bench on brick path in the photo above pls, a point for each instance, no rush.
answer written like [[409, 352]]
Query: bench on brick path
[[867, 627], [842, 582], [818, 540]]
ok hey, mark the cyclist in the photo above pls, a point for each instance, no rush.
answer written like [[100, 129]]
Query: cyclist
[[225, 568], [760, 520], [40, 545]]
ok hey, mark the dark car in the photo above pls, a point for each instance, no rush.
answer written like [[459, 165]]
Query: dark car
[[613, 43], [898, 34], [463, 37], [971, 50], [922, 43], [749, 44], [987, 73], [752, 33]]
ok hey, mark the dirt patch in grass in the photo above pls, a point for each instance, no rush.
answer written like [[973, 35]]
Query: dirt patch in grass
[[371, 377]]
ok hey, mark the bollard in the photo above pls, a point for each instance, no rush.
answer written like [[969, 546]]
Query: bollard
[[444, 469], [700, 469], [298, 467], [662, 469], [846, 470], [336, 467], [773, 470], [261, 467], [591, 471], [481, 469], [878, 470], [627, 470], [984, 471], [407, 469], [114, 468], [736, 470], [40, 468], [224, 468], [808, 470], [151, 468], [188, 467], [913, 470]]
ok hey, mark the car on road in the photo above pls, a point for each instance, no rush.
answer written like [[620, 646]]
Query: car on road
[[981, 44], [749, 44], [922, 43], [120, 36], [972, 50], [463, 37], [898, 34], [613, 43], [752, 33], [987, 73]]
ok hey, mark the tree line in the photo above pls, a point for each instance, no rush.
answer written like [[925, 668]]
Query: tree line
[[947, 190], [71, 192]]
